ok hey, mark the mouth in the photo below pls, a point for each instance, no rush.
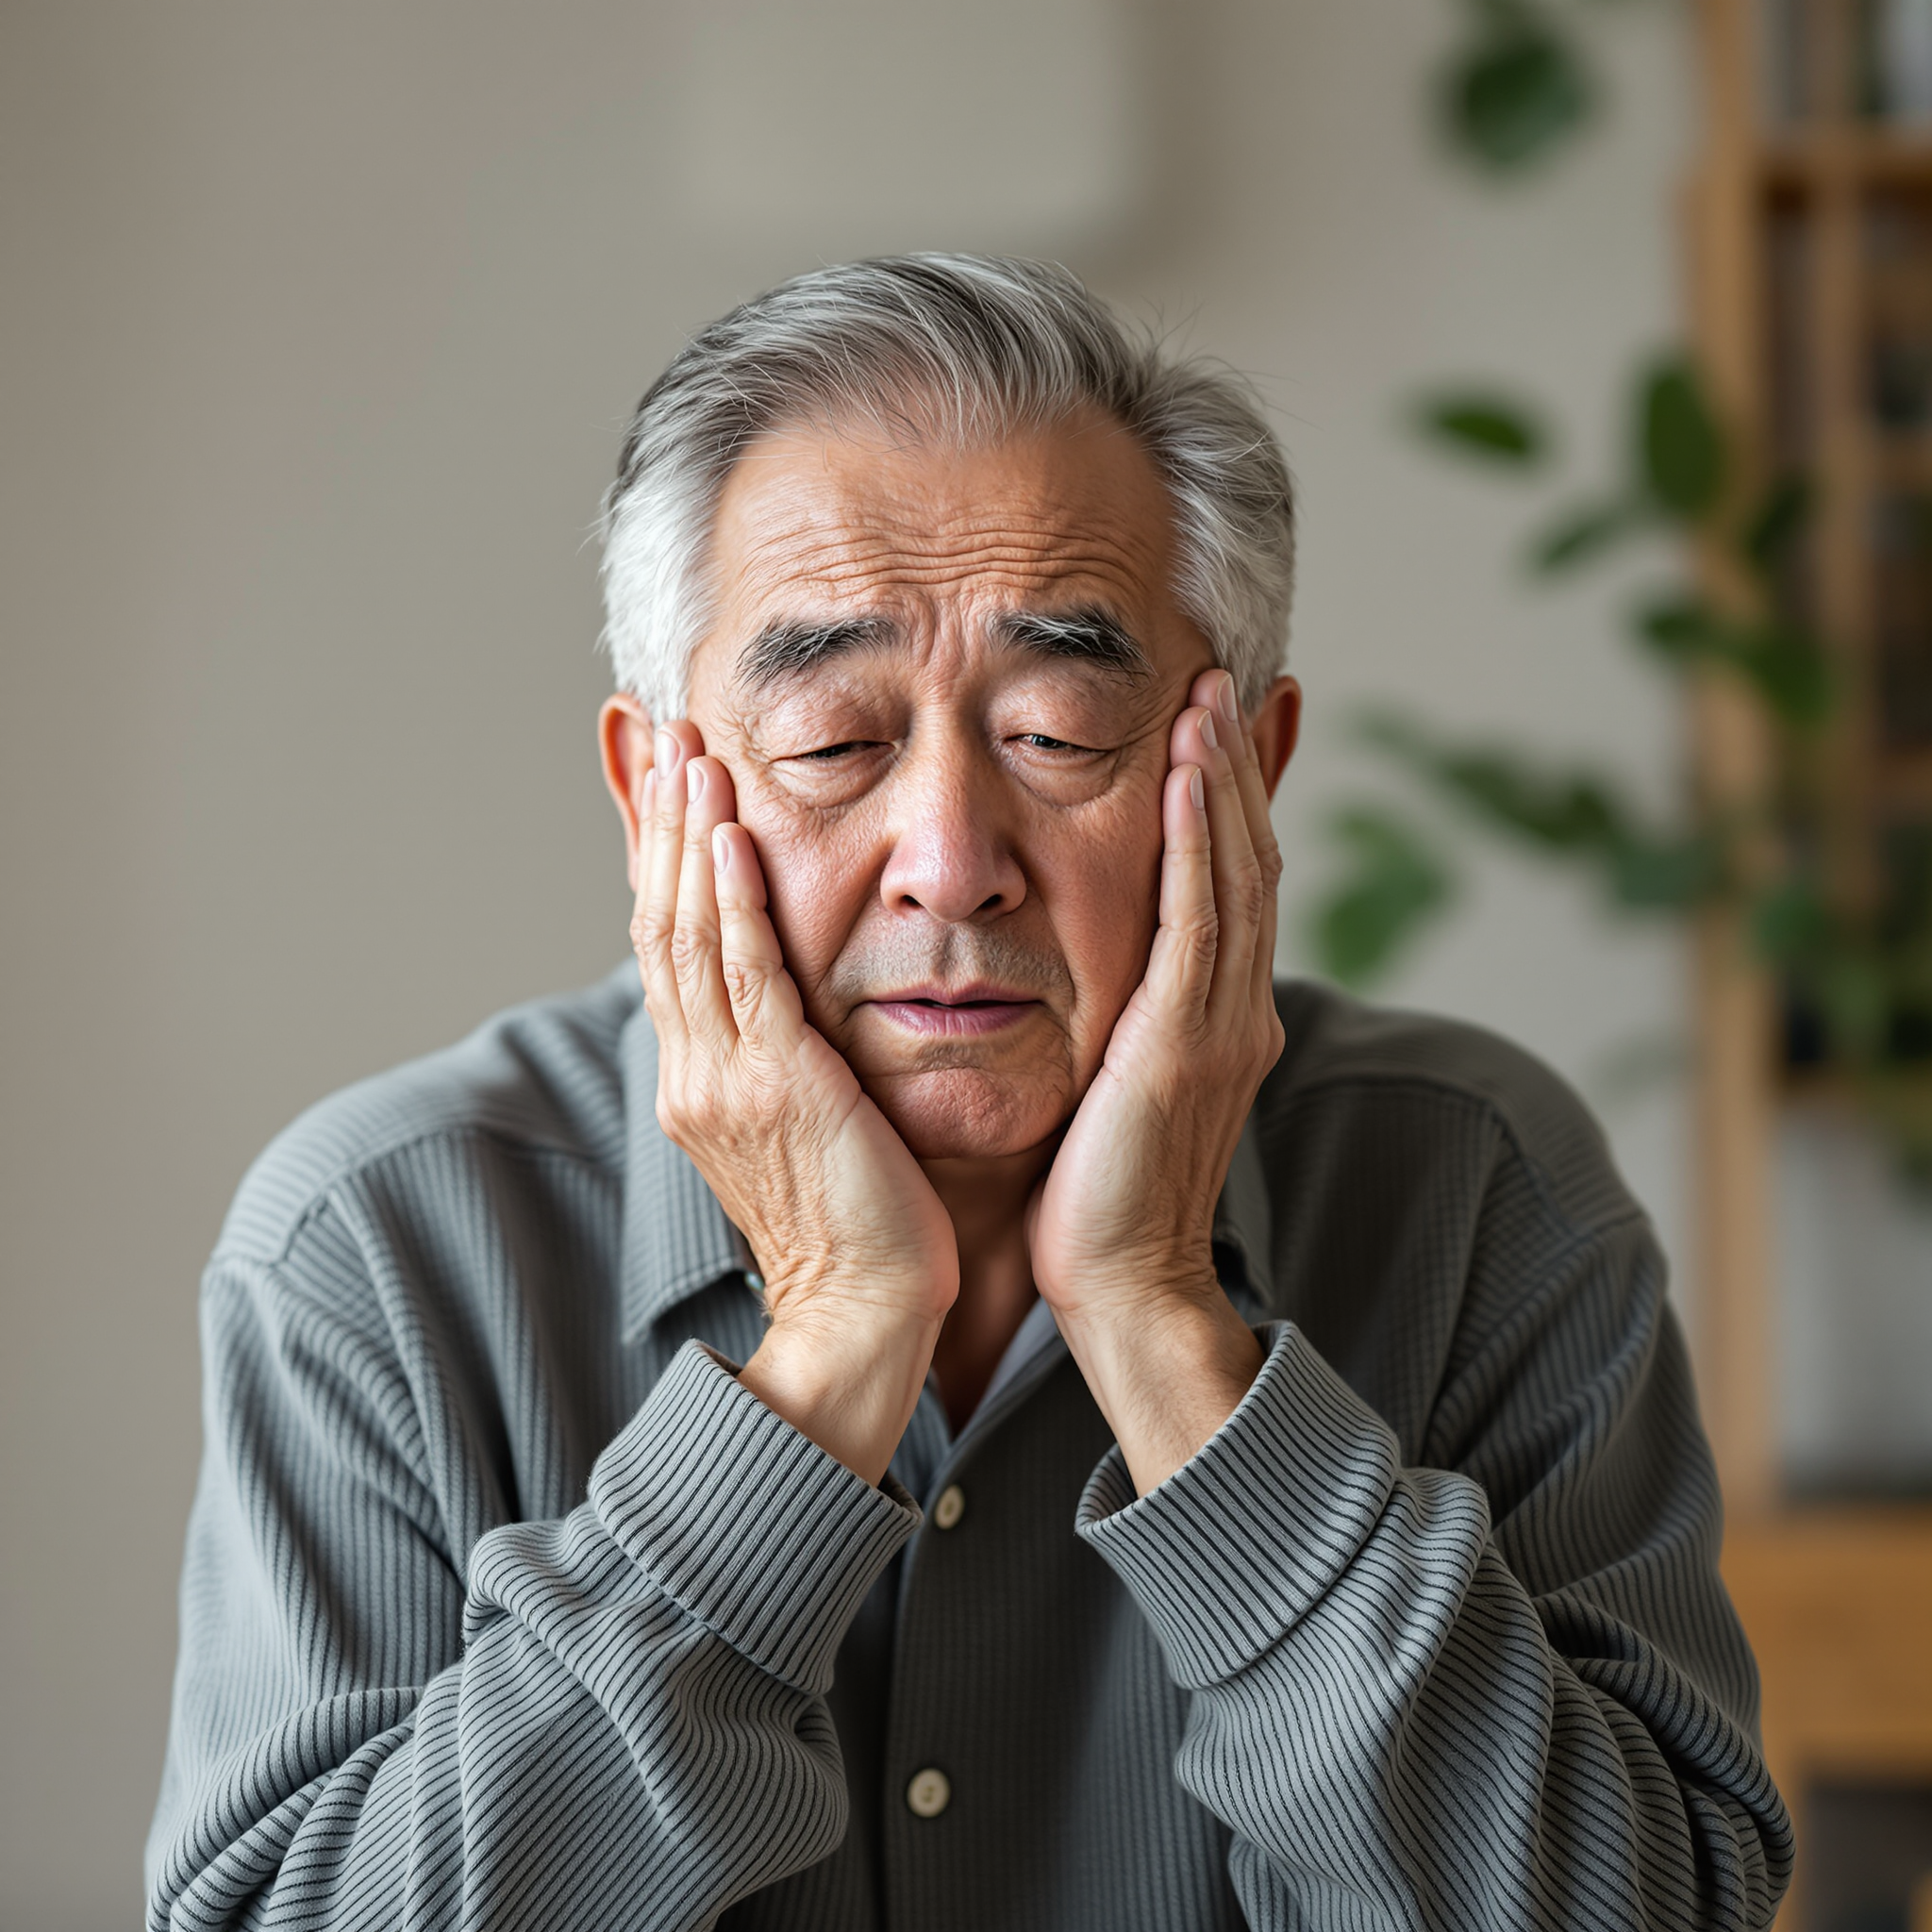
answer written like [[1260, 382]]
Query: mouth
[[955, 1012]]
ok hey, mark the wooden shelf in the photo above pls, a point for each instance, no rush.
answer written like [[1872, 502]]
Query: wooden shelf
[[1811, 259], [1838, 1602], [1904, 782], [1852, 151]]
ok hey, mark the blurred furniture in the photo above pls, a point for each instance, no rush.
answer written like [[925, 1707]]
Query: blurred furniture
[[1810, 222]]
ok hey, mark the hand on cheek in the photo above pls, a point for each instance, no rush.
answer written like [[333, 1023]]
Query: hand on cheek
[[857, 1254], [1121, 1231]]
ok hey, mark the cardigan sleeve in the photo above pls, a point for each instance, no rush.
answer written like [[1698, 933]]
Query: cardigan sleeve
[[616, 1718], [1414, 1709]]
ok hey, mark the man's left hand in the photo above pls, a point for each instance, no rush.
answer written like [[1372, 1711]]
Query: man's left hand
[[1121, 1230]]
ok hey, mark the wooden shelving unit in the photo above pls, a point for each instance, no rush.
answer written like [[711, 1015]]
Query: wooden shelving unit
[[1811, 234]]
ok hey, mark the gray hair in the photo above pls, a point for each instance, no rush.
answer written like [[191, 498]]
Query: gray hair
[[974, 347]]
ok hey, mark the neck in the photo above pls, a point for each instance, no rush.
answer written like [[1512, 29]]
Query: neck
[[987, 1200]]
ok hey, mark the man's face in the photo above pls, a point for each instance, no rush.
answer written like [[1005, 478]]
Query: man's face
[[942, 681]]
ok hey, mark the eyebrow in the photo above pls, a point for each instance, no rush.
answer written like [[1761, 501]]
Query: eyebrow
[[784, 649], [1088, 636], [1091, 635]]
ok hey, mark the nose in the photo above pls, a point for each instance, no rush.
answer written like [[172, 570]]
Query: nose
[[951, 855]]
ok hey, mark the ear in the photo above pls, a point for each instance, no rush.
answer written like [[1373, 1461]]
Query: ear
[[623, 740], [1275, 726]]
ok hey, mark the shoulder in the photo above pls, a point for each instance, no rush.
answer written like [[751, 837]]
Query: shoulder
[[1389, 1085], [1433, 1202], [542, 1077]]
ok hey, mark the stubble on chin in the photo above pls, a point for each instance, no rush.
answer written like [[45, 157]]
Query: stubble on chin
[[975, 1113]]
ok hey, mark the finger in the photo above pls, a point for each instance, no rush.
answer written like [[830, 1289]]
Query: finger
[[657, 913], [1200, 738], [765, 1003], [1181, 966], [1217, 689], [694, 956], [1254, 792]]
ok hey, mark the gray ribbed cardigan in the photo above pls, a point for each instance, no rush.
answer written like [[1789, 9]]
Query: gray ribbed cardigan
[[506, 1605]]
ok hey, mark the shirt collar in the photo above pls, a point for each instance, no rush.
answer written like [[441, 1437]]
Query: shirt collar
[[677, 1239], [1245, 1228]]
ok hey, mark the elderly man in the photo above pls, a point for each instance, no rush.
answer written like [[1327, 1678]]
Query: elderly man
[[971, 1404]]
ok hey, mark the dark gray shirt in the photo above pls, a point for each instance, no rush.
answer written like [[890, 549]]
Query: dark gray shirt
[[506, 1605]]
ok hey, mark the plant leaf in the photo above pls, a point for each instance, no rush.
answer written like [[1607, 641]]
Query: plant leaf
[[1791, 673], [1681, 452], [1516, 94], [1788, 922], [1776, 523], [1392, 883], [1489, 426], [1565, 812], [1684, 630], [1574, 814], [1666, 874], [1786, 664], [1580, 533], [1851, 988]]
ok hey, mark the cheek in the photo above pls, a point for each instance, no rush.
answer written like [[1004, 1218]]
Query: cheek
[[816, 883], [1102, 883]]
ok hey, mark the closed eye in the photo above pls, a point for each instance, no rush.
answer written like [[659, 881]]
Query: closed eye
[[1040, 742], [827, 752]]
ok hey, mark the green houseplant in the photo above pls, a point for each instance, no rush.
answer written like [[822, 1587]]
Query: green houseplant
[[1856, 969], [1857, 973]]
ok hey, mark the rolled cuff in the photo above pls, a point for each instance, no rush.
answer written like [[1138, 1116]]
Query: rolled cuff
[[1226, 1553], [747, 1525]]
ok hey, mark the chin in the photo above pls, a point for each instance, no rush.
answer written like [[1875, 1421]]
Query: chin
[[962, 1113]]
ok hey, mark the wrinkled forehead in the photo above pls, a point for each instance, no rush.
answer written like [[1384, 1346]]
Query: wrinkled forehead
[[822, 522]]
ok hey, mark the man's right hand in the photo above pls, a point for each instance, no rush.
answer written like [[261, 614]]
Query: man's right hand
[[857, 1252]]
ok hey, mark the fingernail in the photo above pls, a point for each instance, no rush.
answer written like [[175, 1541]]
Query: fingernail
[[721, 849], [667, 752], [1229, 710], [694, 781], [1197, 791], [1207, 737]]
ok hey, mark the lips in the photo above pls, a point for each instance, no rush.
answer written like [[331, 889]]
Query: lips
[[958, 1012]]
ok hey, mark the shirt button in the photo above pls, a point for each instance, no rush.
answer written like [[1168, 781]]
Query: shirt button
[[951, 1506], [929, 1793]]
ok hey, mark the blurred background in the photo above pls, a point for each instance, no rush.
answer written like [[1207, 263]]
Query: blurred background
[[1601, 340]]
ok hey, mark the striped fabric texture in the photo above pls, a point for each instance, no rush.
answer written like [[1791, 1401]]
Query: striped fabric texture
[[506, 1605]]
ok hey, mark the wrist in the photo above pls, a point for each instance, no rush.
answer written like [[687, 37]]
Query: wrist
[[850, 1392], [1167, 1363]]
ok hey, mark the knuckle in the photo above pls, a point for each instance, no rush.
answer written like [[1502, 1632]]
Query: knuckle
[[650, 931], [689, 947], [1201, 940], [688, 1106], [1250, 887], [747, 981]]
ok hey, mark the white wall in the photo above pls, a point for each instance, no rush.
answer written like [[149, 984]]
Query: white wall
[[319, 327]]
